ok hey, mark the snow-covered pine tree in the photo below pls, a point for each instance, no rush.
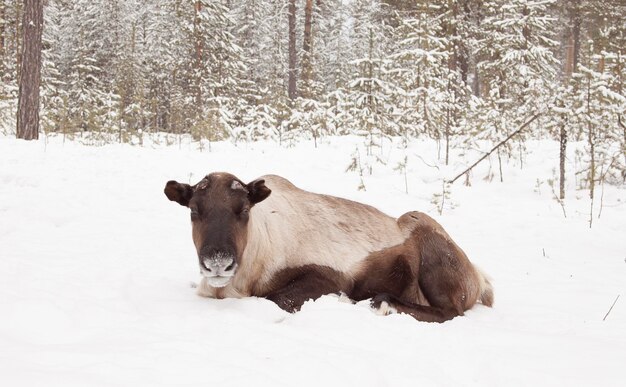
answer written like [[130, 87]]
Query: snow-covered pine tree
[[570, 17], [333, 54], [596, 107], [260, 29], [84, 61], [370, 90], [610, 46], [215, 67], [310, 115], [591, 101], [333, 44], [517, 66], [10, 51], [54, 98], [129, 25], [273, 67], [430, 67], [164, 56]]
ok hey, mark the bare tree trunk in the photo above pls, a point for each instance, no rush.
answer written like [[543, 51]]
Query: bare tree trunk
[[461, 52], [308, 16], [458, 60], [370, 72], [500, 166], [562, 154], [569, 58], [466, 56], [292, 90], [571, 63], [475, 12], [198, 59], [447, 134], [592, 151], [370, 91], [2, 29], [306, 65], [17, 38], [30, 75], [619, 121], [2, 39], [476, 81], [568, 69], [576, 24], [619, 116]]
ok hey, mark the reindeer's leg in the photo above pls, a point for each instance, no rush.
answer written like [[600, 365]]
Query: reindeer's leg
[[295, 286], [390, 279], [386, 304]]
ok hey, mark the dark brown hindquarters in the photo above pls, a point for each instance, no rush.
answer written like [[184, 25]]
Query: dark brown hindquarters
[[391, 276], [292, 287], [428, 277]]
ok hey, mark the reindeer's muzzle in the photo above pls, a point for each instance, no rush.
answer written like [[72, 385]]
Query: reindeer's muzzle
[[218, 268]]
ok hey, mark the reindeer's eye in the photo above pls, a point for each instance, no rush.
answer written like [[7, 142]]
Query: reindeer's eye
[[194, 213], [244, 212]]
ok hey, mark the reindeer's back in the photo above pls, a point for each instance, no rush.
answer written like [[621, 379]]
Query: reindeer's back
[[300, 227]]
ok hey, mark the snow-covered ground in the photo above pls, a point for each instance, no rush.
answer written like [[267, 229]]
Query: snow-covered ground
[[96, 264]]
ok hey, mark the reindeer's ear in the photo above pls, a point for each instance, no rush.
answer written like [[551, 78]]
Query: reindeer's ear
[[258, 191], [179, 193]]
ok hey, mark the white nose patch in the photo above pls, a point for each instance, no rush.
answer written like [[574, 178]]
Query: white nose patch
[[213, 269], [208, 264], [218, 265]]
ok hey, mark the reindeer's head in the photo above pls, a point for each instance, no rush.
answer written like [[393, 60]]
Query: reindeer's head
[[220, 209]]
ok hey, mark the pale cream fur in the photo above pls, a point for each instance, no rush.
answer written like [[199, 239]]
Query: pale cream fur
[[293, 227]]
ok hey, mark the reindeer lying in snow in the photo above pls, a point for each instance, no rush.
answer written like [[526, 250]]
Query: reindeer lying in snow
[[294, 245]]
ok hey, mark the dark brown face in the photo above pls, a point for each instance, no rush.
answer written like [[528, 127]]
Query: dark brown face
[[220, 209]]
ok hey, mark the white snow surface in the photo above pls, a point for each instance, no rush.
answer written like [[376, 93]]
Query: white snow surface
[[96, 265]]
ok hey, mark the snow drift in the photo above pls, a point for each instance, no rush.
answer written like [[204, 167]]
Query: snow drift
[[95, 266]]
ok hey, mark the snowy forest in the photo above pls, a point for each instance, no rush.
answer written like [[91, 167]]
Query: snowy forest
[[457, 71]]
